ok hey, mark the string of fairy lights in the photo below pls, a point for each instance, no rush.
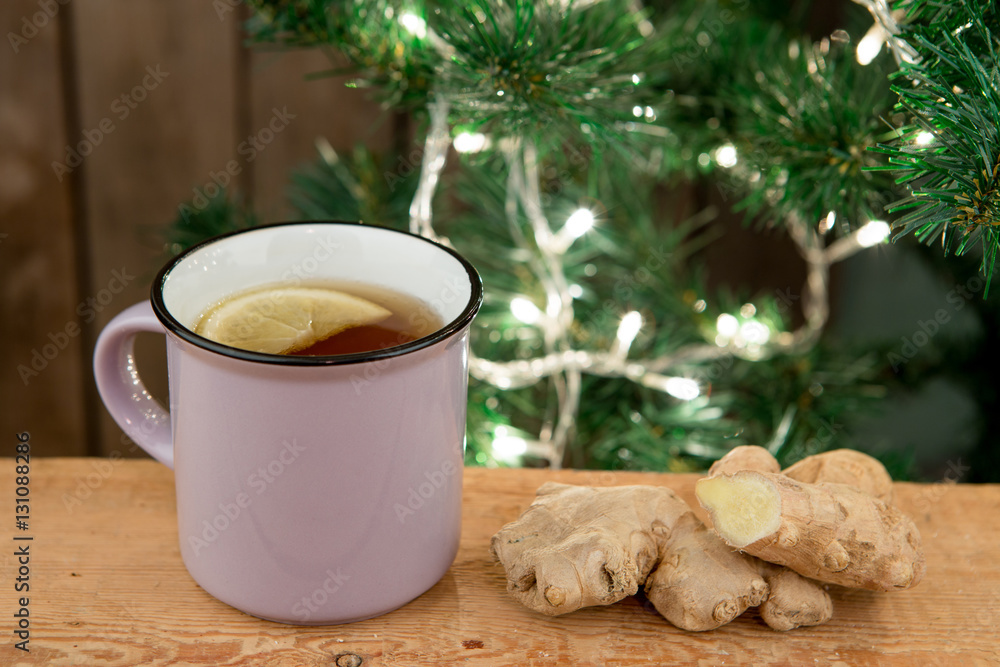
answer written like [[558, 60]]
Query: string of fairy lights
[[741, 335], [884, 30]]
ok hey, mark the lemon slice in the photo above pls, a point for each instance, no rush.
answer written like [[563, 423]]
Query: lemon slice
[[279, 320]]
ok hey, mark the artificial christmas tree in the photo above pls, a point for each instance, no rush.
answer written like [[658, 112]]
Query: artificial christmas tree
[[551, 131]]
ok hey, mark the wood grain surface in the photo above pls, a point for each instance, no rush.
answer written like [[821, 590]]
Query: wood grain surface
[[108, 588]]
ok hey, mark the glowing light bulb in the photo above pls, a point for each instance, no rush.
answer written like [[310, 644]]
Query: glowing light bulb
[[579, 223], [727, 325], [755, 333], [924, 138], [827, 223], [685, 389], [637, 111], [470, 142], [553, 306], [726, 156], [629, 329], [414, 24], [509, 447], [873, 233], [525, 310], [871, 44]]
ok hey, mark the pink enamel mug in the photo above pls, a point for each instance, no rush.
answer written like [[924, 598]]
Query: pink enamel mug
[[310, 490]]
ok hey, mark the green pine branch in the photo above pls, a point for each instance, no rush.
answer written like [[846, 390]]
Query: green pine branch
[[806, 115], [617, 110], [949, 155]]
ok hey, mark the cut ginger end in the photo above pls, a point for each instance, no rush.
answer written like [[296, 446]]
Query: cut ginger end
[[744, 506]]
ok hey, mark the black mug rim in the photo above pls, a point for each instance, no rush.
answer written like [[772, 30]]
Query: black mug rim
[[173, 325]]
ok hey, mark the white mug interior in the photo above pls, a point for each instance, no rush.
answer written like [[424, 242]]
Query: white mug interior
[[307, 252]]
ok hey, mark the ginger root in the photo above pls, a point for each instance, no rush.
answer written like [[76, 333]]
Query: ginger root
[[580, 546], [831, 532], [745, 457], [842, 466], [700, 583], [794, 600], [826, 518]]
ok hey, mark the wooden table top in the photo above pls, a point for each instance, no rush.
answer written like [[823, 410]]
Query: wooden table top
[[108, 588]]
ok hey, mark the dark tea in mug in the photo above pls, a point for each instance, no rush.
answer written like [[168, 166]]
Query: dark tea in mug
[[318, 319]]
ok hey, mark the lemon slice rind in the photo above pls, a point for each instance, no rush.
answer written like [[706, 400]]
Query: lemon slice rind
[[279, 320]]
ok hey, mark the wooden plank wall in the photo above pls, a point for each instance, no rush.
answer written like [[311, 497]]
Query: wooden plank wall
[[164, 91], [42, 369]]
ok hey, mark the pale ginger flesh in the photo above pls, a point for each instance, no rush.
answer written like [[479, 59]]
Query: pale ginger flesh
[[839, 466], [744, 508], [793, 600], [830, 532]]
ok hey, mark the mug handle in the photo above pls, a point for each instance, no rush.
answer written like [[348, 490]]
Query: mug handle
[[135, 410]]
